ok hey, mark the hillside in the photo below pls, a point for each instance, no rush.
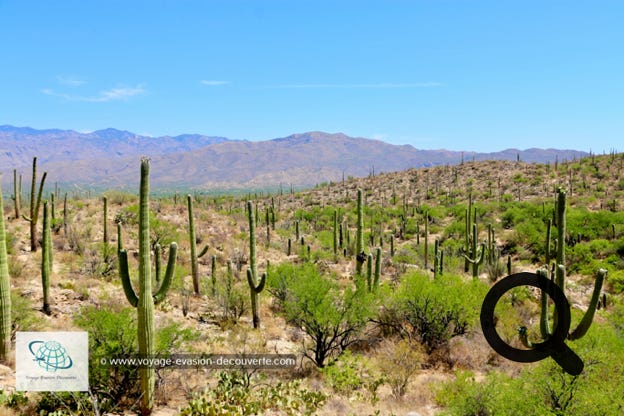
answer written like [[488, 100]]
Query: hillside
[[414, 343], [106, 158]]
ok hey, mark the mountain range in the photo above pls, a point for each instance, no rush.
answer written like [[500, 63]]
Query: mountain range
[[110, 158]]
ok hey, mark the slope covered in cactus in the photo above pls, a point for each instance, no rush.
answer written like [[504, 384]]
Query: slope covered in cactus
[[425, 308]]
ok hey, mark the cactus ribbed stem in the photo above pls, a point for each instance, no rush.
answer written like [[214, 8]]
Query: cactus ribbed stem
[[65, 215], [561, 229], [193, 244], [478, 254], [17, 197], [213, 274], [255, 285], [426, 240], [46, 259], [105, 219], [145, 306], [5, 290], [377, 276], [369, 272], [335, 240], [35, 204], [359, 236], [145, 300]]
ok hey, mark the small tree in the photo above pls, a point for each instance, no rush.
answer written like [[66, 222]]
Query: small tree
[[333, 319]]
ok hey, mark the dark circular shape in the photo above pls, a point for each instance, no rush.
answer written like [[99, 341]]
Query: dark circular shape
[[543, 350]]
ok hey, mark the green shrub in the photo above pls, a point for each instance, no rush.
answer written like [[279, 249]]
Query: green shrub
[[332, 318], [230, 396], [431, 312], [544, 388], [616, 281], [23, 315]]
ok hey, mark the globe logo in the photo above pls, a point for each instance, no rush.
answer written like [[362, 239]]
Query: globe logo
[[50, 355]]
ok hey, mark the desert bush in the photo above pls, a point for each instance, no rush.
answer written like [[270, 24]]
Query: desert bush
[[230, 396], [616, 281], [332, 318], [544, 388], [120, 197], [431, 312], [23, 315], [112, 333], [233, 300], [399, 361], [354, 376], [100, 261], [161, 232]]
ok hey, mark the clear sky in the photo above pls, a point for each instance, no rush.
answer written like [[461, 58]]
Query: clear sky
[[462, 74]]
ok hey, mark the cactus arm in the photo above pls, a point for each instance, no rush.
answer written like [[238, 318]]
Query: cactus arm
[[261, 283], [170, 271], [369, 272], [204, 251], [157, 262], [119, 241], [254, 290], [545, 329], [377, 269], [478, 260], [125, 278], [587, 319], [35, 215]]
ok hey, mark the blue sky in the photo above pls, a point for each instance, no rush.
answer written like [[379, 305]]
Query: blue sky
[[462, 75]]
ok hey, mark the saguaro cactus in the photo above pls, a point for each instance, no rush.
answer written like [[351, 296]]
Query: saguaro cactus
[[426, 240], [145, 300], [213, 274], [5, 291], [359, 236], [34, 205], [377, 275], [255, 285], [17, 194], [335, 229], [438, 259], [559, 278], [476, 254], [105, 209], [193, 242], [369, 272], [46, 259]]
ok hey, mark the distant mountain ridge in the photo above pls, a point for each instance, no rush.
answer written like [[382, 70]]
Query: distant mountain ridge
[[18, 145], [109, 158]]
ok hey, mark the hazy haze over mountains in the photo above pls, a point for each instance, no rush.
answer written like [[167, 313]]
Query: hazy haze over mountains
[[110, 158]]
